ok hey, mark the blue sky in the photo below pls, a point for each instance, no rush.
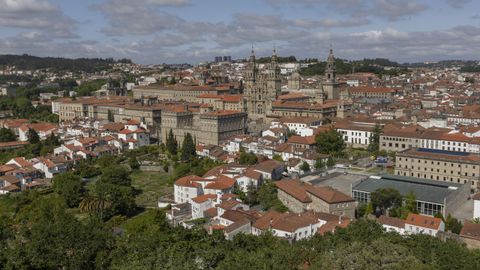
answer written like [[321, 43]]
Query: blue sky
[[174, 31]]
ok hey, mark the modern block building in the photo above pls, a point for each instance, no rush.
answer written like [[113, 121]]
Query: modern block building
[[432, 196]]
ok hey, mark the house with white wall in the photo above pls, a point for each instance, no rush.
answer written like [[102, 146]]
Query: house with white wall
[[419, 224]]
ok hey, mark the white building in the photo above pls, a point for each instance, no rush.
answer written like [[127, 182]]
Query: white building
[[419, 224], [476, 205], [392, 224]]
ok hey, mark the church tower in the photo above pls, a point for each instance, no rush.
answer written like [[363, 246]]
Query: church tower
[[251, 71], [330, 86], [274, 81], [261, 88]]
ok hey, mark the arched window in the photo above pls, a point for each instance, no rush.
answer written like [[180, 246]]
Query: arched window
[[259, 109]]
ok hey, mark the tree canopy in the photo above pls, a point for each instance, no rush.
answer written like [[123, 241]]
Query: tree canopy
[[69, 186], [7, 135], [171, 143], [385, 198], [330, 142], [188, 148]]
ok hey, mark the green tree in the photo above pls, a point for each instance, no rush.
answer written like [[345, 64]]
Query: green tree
[[251, 196], [380, 254], [85, 169], [247, 158], [7, 135], [330, 142], [410, 203], [319, 164], [385, 198], [107, 160], [71, 244], [267, 197], [133, 163], [330, 162], [117, 175], [32, 136], [188, 148], [277, 158], [171, 143], [305, 167], [69, 186], [374, 145], [452, 224]]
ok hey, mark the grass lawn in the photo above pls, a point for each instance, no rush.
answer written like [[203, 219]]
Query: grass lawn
[[152, 186]]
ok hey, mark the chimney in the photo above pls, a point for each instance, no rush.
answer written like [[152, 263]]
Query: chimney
[[340, 219]]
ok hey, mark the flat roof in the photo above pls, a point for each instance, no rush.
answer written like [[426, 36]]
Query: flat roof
[[424, 189]]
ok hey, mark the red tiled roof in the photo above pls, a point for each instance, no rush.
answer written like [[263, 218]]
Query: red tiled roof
[[22, 162], [470, 230], [332, 225], [6, 168], [302, 191], [423, 221], [391, 221], [188, 181], [307, 140], [227, 205], [205, 197], [268, 165], [221, 183], [210, 212]]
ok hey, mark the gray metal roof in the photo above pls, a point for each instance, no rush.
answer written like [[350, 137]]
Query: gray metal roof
[[424, 189]]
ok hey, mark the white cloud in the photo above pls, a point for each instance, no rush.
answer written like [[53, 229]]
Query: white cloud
[[36, 14]]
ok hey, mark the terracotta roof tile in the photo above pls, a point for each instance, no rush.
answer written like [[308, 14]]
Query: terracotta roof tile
[[423, 221]]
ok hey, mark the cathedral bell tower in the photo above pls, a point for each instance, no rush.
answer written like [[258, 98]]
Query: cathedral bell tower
[[330, 86], [274, 80], [251, 71]]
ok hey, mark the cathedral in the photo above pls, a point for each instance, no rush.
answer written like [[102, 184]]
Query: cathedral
[[264, 99], [261, 87]]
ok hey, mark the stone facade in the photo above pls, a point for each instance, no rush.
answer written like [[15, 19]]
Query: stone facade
[[261, 88], [181, 92], [291, 203], [340, 209], [439, 165], [120, 108], [206, 127]]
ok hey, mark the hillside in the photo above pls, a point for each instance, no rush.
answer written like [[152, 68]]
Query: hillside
[[29, 62]]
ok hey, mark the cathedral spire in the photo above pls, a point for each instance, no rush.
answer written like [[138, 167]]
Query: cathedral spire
[[274, 55], [252, 55]]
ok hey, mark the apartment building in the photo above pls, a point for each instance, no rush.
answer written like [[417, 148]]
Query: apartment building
[[355, 133], [398, 138], [439, 165]]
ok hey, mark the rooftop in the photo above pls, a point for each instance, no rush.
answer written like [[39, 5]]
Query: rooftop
[[424, 189], [440, 155]]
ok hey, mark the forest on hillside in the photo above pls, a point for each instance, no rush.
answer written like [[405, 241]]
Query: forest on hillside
[[29, 62]]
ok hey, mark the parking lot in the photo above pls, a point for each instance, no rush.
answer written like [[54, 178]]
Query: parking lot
[[340, 181]]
